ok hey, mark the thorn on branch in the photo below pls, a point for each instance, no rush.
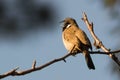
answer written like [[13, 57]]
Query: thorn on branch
[[64, 60], [12, 72], [16, 69], [34, 64]]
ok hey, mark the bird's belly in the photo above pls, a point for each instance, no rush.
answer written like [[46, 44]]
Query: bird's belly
[[69, 46]]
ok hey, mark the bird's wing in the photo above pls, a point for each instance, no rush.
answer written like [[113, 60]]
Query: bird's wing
[[83, 38]]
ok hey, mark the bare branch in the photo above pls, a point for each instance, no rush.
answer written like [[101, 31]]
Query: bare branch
[[97, 42], [14, 72], [9, 73], [105, 53]]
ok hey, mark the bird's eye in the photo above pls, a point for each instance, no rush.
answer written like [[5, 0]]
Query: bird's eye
[[67, 23]]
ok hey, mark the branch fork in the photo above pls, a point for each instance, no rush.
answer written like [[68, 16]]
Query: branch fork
[[97, 42]]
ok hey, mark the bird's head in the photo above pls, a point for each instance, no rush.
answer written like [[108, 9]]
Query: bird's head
[[68, 22]]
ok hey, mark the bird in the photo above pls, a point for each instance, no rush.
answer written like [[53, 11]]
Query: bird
[[75, 40]]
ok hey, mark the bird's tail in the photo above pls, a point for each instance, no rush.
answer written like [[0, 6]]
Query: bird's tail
[[88, 59]]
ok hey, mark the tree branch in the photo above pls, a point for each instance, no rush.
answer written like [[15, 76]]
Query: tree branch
[[97, 42], [14, 72]]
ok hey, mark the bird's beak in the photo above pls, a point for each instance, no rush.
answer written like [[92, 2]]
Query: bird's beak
[[62, 21]]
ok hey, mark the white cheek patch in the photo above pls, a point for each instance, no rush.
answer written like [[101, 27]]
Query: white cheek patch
[[68, 25]]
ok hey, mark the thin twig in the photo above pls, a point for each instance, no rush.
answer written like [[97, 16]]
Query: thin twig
[[97, 42]]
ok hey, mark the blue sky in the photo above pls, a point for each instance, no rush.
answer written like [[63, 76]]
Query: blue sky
[[49, 46]]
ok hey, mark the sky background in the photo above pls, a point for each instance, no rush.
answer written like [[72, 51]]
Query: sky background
[[44, 46]]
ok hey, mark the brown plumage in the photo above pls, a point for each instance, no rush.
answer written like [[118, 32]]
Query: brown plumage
[[74, 37]]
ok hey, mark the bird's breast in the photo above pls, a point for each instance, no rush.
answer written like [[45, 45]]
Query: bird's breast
[[68, 45]]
